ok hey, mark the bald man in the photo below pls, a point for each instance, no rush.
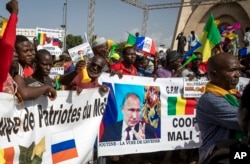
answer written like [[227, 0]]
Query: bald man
[[217, 108]]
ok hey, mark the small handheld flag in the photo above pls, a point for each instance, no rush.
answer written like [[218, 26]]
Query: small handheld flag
[[189, 60]]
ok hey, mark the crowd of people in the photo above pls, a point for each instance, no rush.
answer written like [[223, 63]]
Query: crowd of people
[[25, 74]]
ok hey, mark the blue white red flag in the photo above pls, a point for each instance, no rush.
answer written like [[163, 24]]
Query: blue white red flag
[[146, 44]]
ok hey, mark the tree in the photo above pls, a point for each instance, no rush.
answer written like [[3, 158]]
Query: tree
[[72, 41]]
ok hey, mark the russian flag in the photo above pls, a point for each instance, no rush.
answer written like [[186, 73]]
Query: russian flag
[[146, 44], [110, 114], [55, 42], [63, 146], [7, 155]]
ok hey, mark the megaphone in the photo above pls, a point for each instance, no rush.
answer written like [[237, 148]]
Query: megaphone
[[189, 60], [85, 75]]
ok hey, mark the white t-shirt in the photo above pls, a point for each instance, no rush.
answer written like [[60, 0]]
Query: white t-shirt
[[191, 42]]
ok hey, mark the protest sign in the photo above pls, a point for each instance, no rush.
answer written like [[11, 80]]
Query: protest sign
[[56, 71], [163, 107], [83, 50], [49, 39], [44, 131]]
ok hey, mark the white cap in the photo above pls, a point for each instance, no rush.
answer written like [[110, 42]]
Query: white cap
[[98, 42]]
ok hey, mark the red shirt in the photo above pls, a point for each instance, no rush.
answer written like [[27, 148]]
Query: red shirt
[[27, 71], [7, 48], [78, 82], [120, 66], [203, 67]]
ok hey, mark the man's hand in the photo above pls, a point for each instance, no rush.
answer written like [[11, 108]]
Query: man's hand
[[178, 72], [119, 73], [103, 89], [80, 65], [140, 135], [51, 93], [191, 77], [12, 7]]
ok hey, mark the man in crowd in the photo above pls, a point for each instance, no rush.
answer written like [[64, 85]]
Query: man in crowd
[[7, 47], [194, 70], [225, 151], [25, 57], [182, 40], [171, 67], [130, 128], [143, 68], [25, 54], [94, 70], [44, 62], [192, 40], [100, 47], [125, 67], [217, 108]]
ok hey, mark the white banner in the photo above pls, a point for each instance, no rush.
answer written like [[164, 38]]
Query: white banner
[[162, 107], [49, 39], [64, 130], [44, 131]]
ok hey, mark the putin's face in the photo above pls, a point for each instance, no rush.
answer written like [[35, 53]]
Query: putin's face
[[131, 110]]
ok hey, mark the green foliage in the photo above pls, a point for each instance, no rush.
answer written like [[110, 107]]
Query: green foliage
[[72, 41]]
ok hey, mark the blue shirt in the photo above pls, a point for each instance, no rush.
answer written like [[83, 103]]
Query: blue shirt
[[144, 72], [217, 120]]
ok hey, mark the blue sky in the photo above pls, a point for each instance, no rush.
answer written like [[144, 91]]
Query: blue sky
[[112, 18]]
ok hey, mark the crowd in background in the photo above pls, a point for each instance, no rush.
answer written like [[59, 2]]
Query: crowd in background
[[25, 73]]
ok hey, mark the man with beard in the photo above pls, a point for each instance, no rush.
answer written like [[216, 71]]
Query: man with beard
[[217, 109], [94, 70]]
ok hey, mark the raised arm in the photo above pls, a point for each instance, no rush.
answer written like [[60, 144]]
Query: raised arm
[[8, 41]]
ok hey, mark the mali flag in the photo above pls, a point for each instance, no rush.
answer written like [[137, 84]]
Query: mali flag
[[7, 155], [209, 38], [181, 106], [41, 38], [131, 41]]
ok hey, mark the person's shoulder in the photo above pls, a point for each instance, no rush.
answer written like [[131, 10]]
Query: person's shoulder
[[213, 101], [207, 98], [161, 69], [117, 65], [225, 150]]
